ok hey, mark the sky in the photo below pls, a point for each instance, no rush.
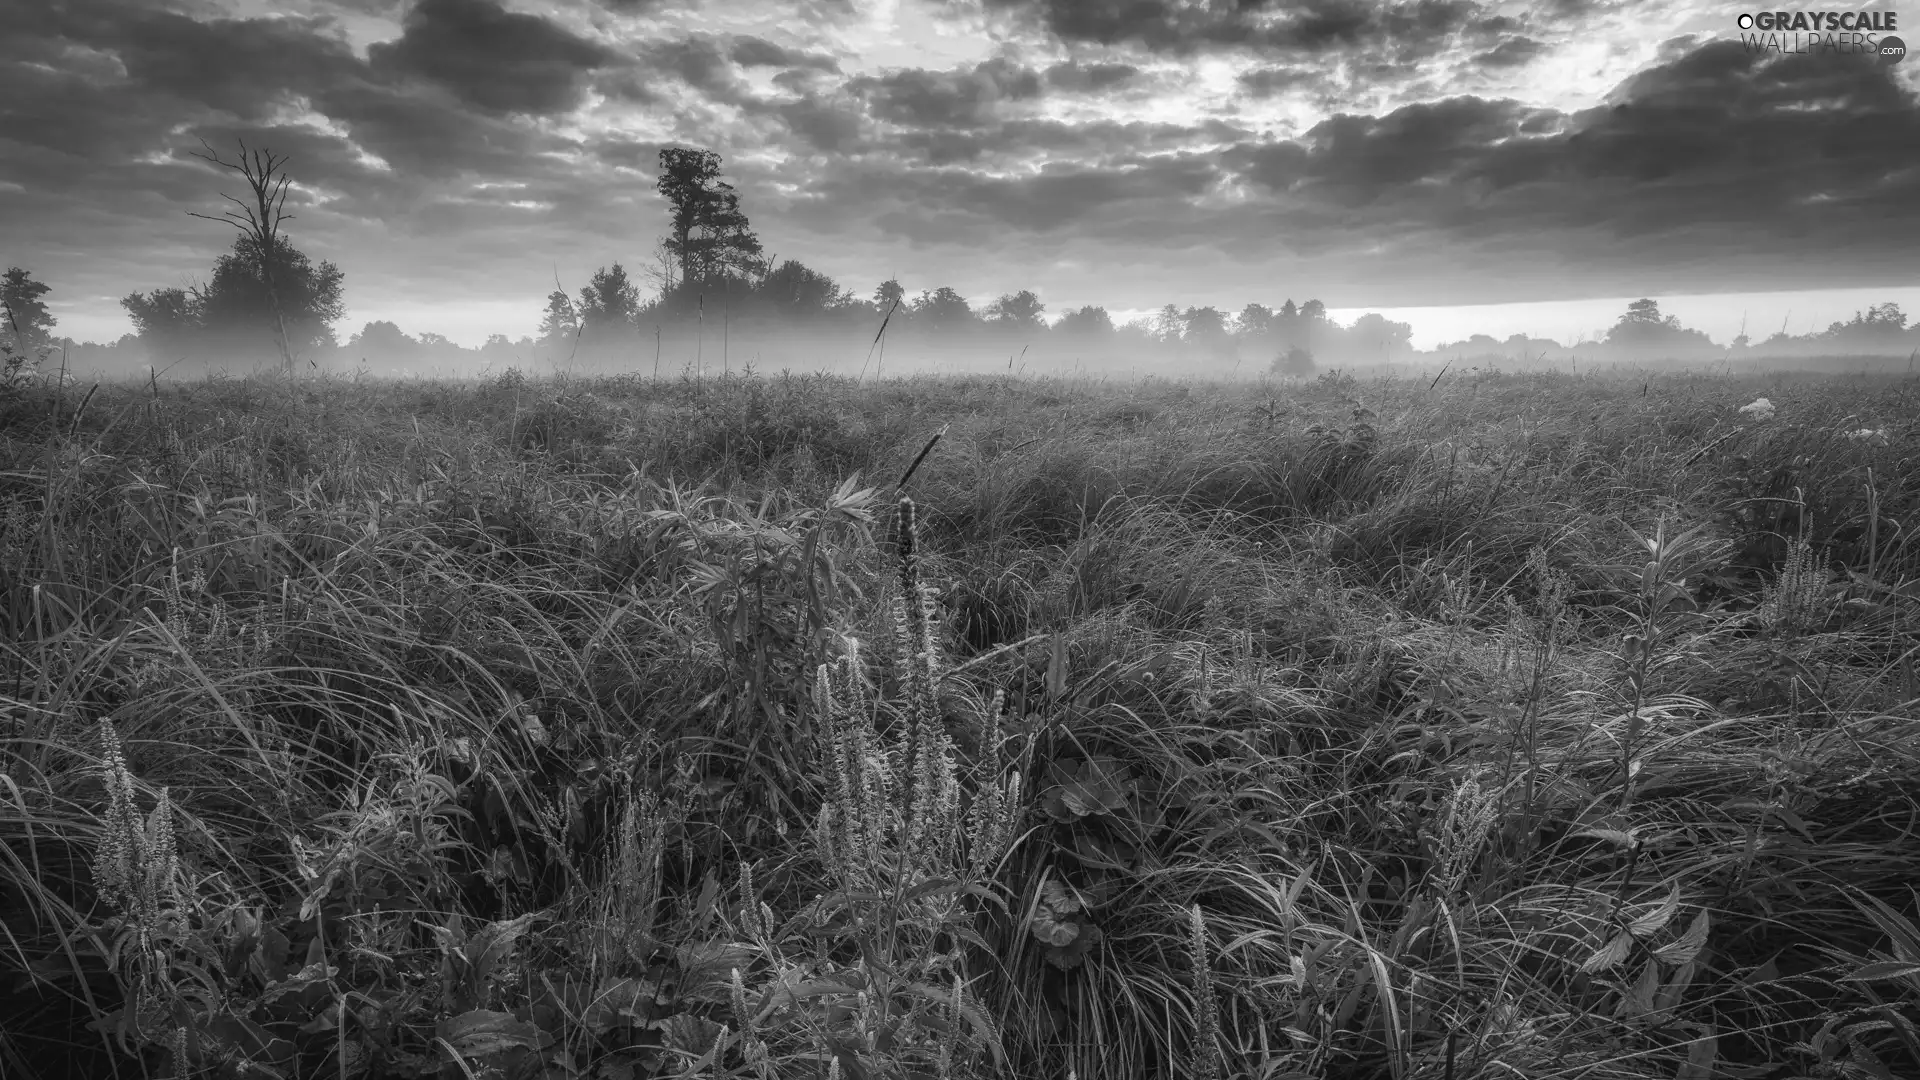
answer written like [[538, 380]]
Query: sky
[[1462, 165]]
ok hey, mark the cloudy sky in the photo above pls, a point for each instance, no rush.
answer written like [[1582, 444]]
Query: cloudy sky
[[1461, 163]]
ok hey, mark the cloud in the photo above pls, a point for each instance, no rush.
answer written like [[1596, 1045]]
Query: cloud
[[960, 98], [498, 61], [1181, 27], [1511, 53], [750, 51], [1072, 76]]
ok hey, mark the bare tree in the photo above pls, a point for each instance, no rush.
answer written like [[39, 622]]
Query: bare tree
[[259, 219]]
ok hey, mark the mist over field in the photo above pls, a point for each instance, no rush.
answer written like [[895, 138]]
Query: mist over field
[[958, 540]]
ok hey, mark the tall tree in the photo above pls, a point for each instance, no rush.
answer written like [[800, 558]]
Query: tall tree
[[259, 217], [709, 234], [889, 294], [280, 295], [26, 316]]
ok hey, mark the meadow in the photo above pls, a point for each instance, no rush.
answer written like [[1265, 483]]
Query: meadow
[[1500, 725]]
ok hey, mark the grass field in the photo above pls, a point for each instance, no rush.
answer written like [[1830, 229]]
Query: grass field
[[1505, 726]]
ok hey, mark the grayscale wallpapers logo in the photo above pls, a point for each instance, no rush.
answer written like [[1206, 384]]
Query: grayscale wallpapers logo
[[1856, 33]]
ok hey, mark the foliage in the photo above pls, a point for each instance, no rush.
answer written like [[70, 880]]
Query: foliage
[[616, 728], [28, 322], [709, 233]]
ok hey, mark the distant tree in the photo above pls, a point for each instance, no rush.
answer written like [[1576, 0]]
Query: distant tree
[[384, 340], [710, 235], [238, 305], [795, 289], [889, 293], [1203, 324], [1288, 312], [1088, 321], [561, 321], [1020, 311], [943, 309], [1254, 321], [608, 303], [167, 321], [1293, 361], [1313, 311], [26, 316], [1643, 327], [1378, 336], [1168, 325], [1878, 323]]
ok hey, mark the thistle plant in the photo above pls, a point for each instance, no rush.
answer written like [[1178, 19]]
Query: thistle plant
[[1795, 601], [137, 870]]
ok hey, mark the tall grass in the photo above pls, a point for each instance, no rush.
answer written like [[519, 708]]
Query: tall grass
[[1504, 725]]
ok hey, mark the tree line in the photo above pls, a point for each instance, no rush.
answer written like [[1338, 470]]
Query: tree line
[[711, 282]]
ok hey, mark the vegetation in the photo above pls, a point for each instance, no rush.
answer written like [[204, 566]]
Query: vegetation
[[1484, 726]]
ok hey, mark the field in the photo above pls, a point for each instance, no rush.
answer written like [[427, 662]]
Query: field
[[1500, 726]]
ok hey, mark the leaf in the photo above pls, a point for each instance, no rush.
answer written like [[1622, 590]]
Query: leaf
[[1639, 1000], [1686, 948], [690, 1034], [1069, 956], [1650, 923], [1612, 836], [483, 1031], [1883, 969], [1609, 955]]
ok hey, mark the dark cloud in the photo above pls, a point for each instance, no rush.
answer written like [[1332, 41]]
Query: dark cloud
[[493, 59], [750, 51], [1072, 76], [960, 98], [1767, 155], [1184, 26], [1511, 53], [1263, 82]]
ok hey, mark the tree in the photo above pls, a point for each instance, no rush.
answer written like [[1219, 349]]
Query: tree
[[943, 309], [1643, 327], [1377, 335], [383, 340], [608, 302], [1017, 311], [888, 295], [709, 232], [1203, 324], [1313, 311], [797, 289], [560, 322], [259, 222], [167, 320], [1088, 321], [1293, 361], [1254, 321], [1167, 324], [279, 295], [26, 315]]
